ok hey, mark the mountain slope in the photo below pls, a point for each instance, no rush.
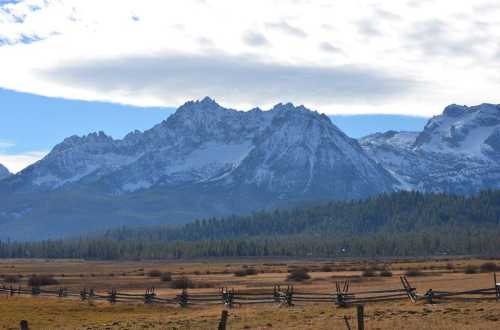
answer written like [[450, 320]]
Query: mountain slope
[[457, 152], [4, 172], [203, 160]]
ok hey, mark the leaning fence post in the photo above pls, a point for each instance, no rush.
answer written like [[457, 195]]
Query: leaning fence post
[[409, 290], [340, 298], [360, 310], [223, 320]]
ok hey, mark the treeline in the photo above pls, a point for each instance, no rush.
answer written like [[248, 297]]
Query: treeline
[[398, 224]]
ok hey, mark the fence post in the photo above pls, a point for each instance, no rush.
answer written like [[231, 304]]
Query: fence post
[[289, 296], [228, 297], [360, 310], [149, 296], [112, 296], [497, 286], [276, 295], [412, 295], [83, 294], [223, 320], [24, 325], [183, 298], [429, 295]]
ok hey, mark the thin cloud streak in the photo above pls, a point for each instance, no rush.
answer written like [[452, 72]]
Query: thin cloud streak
[[175, 77]]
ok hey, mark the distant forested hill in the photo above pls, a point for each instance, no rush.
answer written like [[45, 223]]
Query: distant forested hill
[[397, 224]]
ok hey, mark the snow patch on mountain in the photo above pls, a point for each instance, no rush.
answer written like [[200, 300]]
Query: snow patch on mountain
[[456, 152], [285, 150]]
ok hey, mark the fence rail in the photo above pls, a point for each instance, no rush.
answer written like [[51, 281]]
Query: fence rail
[[285, 296]]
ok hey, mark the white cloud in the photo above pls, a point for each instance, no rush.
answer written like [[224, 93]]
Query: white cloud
[[17, 162], [391, 38]]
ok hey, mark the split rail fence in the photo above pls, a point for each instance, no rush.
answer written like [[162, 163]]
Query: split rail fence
[[282, 295]]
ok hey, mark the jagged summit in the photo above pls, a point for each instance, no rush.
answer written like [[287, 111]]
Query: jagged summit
[[285, 150], [207, 160], [458, 151]]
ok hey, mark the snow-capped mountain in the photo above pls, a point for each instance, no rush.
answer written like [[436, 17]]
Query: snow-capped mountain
[[203, 160], [458, 151], [286, 150], [4, 172]]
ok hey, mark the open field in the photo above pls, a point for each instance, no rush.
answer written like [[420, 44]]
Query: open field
[[68, 313]]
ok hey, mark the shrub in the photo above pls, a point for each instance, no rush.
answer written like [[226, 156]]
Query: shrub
[[369, 273], [252, 271], [385, 273], [414, 273], [41, 280], [488, 267], [326, 268], [182, 282], [450, 266], [298, 275], [240, 273], [154, 273], [166, 277], [246, 271], [470, 270], [11, 279]]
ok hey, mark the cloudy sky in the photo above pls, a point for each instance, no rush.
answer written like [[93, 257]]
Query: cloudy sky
[[339, 57]]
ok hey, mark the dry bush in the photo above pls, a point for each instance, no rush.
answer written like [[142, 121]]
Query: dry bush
[[182, 282], [385, 273], [298, 275], [326, 268], [369, 273], [154, 273], [240, 273], [414, 273], [11, 279], [42, 280], [166, 277], [470, 270], [246, 271], [488, 267]]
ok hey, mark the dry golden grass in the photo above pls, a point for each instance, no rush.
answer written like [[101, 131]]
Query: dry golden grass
[[65, 313]]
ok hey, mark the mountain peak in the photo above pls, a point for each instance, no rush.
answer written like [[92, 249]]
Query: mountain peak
[[455, 110], [204, 104], [289, 107], [75, 140]]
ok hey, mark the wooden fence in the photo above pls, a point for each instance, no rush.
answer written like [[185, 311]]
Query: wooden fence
[[284, 296]]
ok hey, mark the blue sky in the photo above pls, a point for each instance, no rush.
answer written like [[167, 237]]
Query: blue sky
[[400, 58], [31, 125]]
